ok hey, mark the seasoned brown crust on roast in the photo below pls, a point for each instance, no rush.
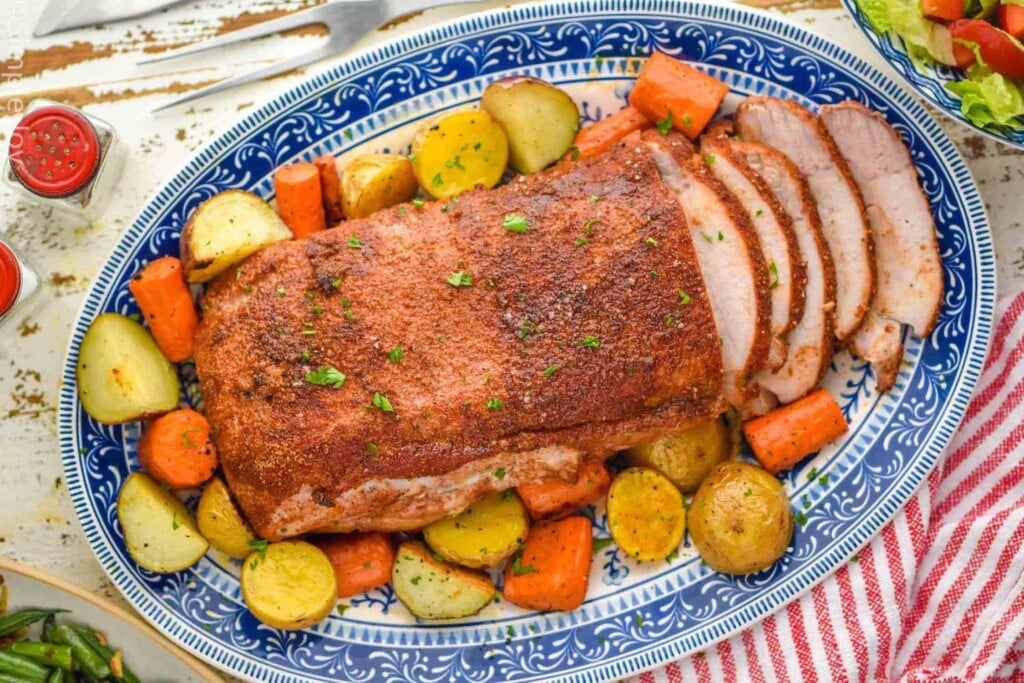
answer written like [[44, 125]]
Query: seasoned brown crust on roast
[[730, 258], [800, 135], [571, 338], [907, 256]]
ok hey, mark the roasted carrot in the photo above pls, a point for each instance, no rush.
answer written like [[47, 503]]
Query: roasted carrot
[[551, 569], [672, 93], [299, 199], [330, 187], [603, 134], [166, 304], [554, 498], [943, 9], [176, 449], [361, 561], [785, 436]]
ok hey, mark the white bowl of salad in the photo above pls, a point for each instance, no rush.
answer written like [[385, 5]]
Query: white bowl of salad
[[964, 56]]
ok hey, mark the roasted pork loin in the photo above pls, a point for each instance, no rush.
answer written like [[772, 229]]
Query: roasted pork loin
[[586, 328]]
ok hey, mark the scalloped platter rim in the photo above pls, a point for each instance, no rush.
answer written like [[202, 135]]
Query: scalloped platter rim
[[636, 616]]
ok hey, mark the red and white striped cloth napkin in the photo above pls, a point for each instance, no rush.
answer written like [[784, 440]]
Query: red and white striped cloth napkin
[[938, 595]]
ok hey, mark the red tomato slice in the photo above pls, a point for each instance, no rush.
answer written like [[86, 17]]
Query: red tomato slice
[[998, 49], [1011, 20]]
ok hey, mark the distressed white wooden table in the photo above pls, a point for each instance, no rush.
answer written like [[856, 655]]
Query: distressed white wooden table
[[95, 68]]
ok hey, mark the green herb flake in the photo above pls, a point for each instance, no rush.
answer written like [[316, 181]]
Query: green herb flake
[[417, 202], [410, 157], [665, 125], [773, 269], [437, 180], [590, 342], [454, 163], [188, 442], [758, 213], [354, 243], [813, 474], [518, 569], [401, 211], [574, 153], [280, 291], [823, 480], [550, 370], [580, 241], [639, 621], [594, 199], [348, 133], [396, 354], [336, 283], [499, 473], [381, 402], [684, 298], [687, 121], [495, 404], [342, 607], [174, 522], [515, 222], [460, 278], [709, 159], [651, 242], [327, 377], [600, 544], [415, 580], [674, 555], [801, 518], [707, 238]]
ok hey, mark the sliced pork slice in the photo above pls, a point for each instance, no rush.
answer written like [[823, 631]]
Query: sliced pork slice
[[799, 134], [906, 248], [810, 341], [730, 258], [774, 228]]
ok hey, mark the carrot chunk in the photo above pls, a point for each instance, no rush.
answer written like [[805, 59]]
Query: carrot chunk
[[166, 304], [176, 449], [552, 568], [787, 435], [600, 136], [360, 561], [299, 198], [554, 498], [671, 92], [330, 187]]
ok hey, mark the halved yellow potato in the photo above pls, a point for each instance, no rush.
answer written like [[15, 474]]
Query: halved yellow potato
[[687, 457], [433, 589], [458, 151], [224, 230], [221, 523], [540, 120], [484, 534], [373, 182], [159, 531], [289, 585], [122, 374], [645, 514]]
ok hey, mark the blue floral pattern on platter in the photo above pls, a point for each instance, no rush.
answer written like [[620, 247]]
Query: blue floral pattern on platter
[[928, 80], [637, 615]]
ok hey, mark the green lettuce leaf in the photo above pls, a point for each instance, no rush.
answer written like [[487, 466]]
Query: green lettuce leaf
[[877, 12], [988, 98]]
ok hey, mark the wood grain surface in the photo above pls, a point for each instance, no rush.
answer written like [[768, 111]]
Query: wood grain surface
[[95, 68]]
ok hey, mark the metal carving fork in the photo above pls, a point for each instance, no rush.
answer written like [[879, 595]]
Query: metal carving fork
[[347, 20]]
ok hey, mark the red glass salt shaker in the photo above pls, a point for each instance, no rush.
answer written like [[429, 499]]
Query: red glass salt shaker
[[62, 157], [18, 282]]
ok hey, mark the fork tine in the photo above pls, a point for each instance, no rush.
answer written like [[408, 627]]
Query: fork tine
[[313, 15], [255, 75]]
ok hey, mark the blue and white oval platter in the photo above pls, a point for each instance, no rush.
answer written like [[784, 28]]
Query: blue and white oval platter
[[637, 616], [928, 80]]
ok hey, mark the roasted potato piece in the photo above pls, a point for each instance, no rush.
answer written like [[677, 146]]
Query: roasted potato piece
[[740, 519], [645, 514], [459, 151], [687, 457], [159, 532], [484, 534], [433, 589], [376, 181], [224, 230], [221, 523], [540, 120], [289, 585], [122, 374]]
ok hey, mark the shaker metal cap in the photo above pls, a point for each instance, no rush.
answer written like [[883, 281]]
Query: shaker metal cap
[[54, 151]]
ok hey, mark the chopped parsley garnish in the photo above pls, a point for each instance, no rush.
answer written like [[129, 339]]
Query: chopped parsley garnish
[[308, 333], [401, 211], [317, 311], [594, 199], [588, 227], [707, 238], [396, 354], [495, 404], [353, 242], [720, 236], [687, 121], [528, 327], [590, 342], [684, 298], [517, 567], [417, 202], [665, 125], [601, 543], [775, 275], [515, 222], [174, 523], [306, 357], [372, 447], [670, 320], [280, 291], [381, 402], [460, 278], [186, 441], [336, 283], [415, 580], [550, 370], [437, 180], [499, 473], [758, 213], [327, 377], [651, 242], [574, 152], [639, 621], [801, 518], [454, 163], [674, 555], [813, 474], [411, 157], [580, 241], [348, 133], [260, 548], [341, 609], [709, 159]]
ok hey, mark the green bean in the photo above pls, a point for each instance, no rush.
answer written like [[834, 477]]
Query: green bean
[[56, 677], [13, 623], [89, 661], [45, 653], [89, 636], [20, 665], [12, 678]]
